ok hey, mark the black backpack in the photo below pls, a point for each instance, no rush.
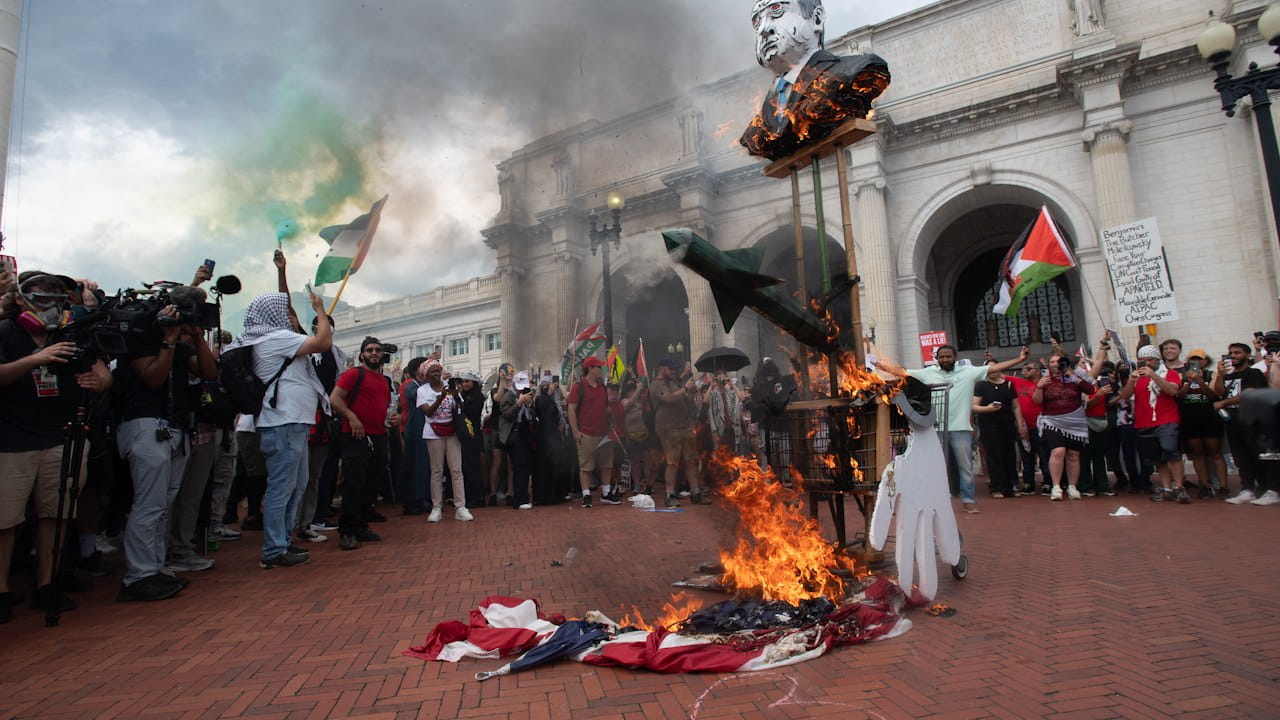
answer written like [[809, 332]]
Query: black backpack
[[243, 386]]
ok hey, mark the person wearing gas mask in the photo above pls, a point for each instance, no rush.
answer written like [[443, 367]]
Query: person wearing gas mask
[[36, 402], [155, 416]]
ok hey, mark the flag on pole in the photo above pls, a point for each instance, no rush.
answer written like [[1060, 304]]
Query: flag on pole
[[573, 352], [641, 369], [1040, 255], [614, 363], [348, 245]]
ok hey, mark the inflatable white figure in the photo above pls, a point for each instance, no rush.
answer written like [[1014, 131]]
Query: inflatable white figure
[[915, 485]]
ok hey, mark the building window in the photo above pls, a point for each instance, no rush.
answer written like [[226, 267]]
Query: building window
[[458, 346], [492, 342], [422, 350]]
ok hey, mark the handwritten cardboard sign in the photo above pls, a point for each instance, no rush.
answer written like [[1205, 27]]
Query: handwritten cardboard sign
[[1140, 276]]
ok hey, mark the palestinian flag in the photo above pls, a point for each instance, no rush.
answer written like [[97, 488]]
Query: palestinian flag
[[1040, 255], [640, 367], [348, 245]]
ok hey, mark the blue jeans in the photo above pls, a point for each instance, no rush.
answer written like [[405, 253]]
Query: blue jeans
[[285, 450], [960, 445]]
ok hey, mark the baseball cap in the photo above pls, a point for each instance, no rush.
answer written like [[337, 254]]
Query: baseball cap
[[589, 363], [521, 380], [1198, 352]]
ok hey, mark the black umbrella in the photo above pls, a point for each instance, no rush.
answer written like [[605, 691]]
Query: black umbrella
[[722, 358]]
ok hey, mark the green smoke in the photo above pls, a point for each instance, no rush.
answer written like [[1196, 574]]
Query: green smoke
[[299, 171]]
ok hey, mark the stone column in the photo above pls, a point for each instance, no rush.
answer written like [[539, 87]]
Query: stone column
[[702, 312], [1113, 190], [877, 268], [568, 270], [474, 338], [10, 31], [512, 314]]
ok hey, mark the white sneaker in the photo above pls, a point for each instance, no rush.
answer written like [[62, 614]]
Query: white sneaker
[[1072, 492], [435, 515], [1245, 496], [1270, 497], [526, 506], [685, 493], [1056, 493], [463, 515]]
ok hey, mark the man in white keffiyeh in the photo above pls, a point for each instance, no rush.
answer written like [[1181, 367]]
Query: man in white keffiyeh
[[1153, 386], [288, 412]]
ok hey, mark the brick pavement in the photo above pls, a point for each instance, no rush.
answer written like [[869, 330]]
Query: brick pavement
[[1067, 613]]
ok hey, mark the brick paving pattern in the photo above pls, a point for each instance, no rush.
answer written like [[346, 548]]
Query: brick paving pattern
[[1066, 613]]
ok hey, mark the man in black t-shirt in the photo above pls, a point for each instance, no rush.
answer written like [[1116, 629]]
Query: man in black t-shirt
[[152, 405], [1234, 377], [1000, 425], [36, 403]]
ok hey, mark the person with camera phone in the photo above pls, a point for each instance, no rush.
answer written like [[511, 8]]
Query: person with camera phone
[[153, 405], [41, 384], [1064, 429], [361, 398], [1000, 427], [439, 403], [1201, 426], [1155, 416], [1235, 377], [517, 427]]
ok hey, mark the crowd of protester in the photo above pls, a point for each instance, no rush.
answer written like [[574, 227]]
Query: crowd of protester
[[169, 472], [1106, 425], [171, 466]]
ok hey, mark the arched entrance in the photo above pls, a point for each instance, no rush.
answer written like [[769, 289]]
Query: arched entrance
[[780, 261], [962, 271], [652, 305]]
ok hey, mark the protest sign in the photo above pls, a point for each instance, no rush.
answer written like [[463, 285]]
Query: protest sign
[[1139, 273]]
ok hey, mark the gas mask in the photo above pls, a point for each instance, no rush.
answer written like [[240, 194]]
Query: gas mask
[[45, 312]]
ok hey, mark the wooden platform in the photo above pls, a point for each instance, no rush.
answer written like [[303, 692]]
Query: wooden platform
[[843, 136]]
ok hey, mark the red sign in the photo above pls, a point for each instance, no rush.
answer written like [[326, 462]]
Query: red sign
[[929, 344]]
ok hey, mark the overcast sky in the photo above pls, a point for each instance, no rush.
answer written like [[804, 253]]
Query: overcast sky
[[150, 134]]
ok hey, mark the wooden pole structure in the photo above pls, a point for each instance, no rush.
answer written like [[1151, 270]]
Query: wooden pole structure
[[801, 350], [851, 258]]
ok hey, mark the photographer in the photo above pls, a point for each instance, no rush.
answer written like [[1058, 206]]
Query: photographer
[[1063, 427], [1201, 425], [516, 428], [1155, 416], [35, 405], [362, 398], [153, 405], [439, 404], [1234, 378]]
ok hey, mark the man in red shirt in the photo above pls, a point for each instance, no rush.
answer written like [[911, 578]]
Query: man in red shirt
[[588, 407], [1031, 451], [362, 398], [1155, 416]]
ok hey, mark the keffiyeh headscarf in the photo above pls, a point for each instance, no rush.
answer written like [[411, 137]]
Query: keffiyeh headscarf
[[1153, 390], [266, 313]]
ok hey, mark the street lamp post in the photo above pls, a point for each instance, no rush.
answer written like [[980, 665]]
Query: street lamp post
[[600, 239], [1216, 43]]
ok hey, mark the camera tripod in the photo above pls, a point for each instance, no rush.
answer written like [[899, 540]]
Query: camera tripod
[[68, 487]]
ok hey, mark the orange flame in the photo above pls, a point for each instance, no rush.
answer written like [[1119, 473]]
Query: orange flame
[[724, 127], [674, 613], [780, 554]]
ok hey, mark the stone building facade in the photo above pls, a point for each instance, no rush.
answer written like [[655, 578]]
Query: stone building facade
[[1101, 112]]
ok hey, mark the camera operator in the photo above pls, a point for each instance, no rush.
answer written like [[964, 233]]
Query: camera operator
[[362, 398], [439, 403], [35, 405], [153, 407]]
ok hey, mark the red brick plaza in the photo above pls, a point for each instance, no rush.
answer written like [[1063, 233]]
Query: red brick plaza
[[1066, 613]]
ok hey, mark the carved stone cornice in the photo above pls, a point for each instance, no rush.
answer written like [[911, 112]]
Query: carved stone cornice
[[978, 117], [1171, 67], [494, 235], [878, 182], [696, 176], [560, 215], [1112, 66]]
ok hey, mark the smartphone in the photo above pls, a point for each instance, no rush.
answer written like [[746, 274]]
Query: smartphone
[[208, 265], [307, 286], [997, 404], [1226, 359]]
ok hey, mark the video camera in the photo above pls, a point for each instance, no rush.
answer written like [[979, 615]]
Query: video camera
[[1270, 341], [126, 322]]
